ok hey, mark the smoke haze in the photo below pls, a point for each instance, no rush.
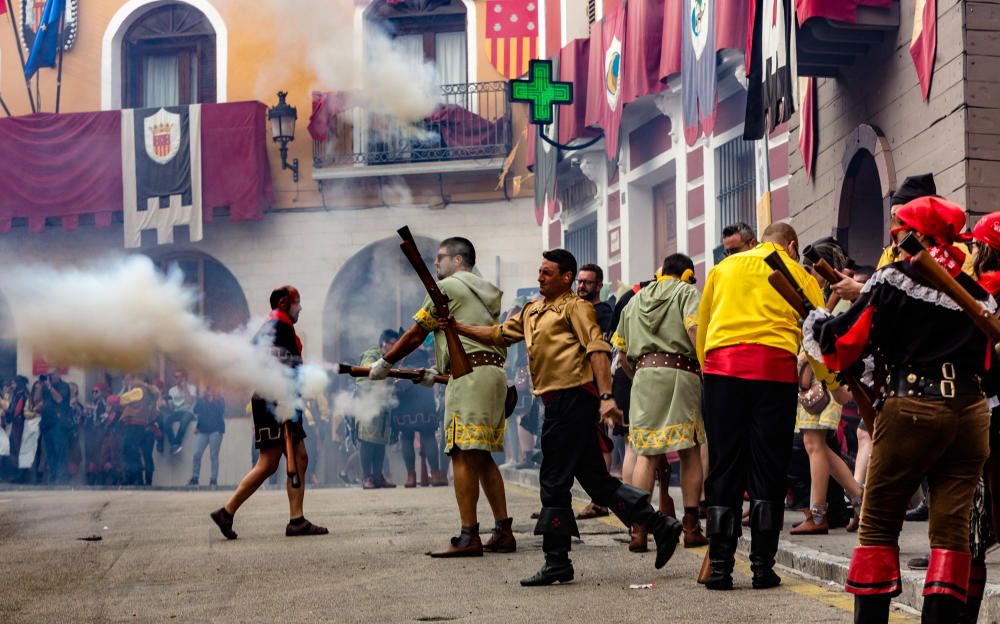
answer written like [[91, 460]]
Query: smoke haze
[[123, 314]]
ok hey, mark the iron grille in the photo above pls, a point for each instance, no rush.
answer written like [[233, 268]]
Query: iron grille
[[582, 243], [472, 120], [735, 170]]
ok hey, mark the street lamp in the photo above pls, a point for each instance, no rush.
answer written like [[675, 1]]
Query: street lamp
[[283, 118]]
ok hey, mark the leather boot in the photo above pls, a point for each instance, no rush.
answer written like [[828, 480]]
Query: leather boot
[[872, 609], [666, 501], [468, 544], [723, 534], [693, 537], [502, 540], [411, 480], [632, 507], [940, 609], [438, 479], [977, 583], [557, 569], [766, 518], [640, 539]]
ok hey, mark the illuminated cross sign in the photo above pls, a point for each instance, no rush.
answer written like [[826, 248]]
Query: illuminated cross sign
[[541, 92]]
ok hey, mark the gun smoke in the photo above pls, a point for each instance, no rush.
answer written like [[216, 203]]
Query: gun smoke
[[124, 314]]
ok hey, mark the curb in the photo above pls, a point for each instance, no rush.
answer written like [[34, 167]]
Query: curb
[[807, 561]]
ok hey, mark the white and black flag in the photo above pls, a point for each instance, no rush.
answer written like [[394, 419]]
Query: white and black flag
[[161, 171], [772, 80]]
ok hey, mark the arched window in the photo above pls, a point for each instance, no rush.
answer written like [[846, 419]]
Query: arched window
[[168, 56]]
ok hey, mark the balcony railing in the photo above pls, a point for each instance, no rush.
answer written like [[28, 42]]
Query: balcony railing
[[472, 121]]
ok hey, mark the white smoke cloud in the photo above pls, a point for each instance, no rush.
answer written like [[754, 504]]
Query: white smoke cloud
[[366, 401], [123, 314], [383, 76]]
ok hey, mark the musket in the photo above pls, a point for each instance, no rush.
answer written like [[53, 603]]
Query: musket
[[828, 273], [929, 268], [782, 281], [460, 365], [411, 374]]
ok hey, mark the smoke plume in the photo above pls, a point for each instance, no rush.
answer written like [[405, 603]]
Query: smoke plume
[[366, 401], [123, 314]]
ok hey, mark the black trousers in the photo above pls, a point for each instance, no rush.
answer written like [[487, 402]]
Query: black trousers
[[750, 426], [570, 449]]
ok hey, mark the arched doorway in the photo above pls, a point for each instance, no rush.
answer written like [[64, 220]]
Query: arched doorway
[[221, 301], [8, 342], [869, 182], [375, 290]]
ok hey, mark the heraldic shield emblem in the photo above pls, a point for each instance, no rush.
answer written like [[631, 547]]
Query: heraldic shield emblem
[[31, 16], [162, 134], [698, 23]]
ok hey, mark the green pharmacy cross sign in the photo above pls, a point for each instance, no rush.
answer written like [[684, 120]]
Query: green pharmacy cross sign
[[541, 92]]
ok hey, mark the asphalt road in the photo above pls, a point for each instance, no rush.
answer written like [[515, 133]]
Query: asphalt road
[[161, 559]]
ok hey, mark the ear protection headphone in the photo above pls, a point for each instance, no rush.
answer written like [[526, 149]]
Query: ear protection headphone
[[688, 276]]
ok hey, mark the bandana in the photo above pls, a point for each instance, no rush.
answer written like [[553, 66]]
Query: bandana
[[941, 220], [987, 230]]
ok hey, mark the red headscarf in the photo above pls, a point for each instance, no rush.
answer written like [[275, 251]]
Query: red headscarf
[[987, 231], [941, 220]]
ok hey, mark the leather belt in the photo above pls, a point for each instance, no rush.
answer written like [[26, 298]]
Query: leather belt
[[485, 358], [944, 382], [660, 359]]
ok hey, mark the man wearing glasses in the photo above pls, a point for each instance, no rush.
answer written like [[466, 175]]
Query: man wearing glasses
[[737, 238], [589, 284]]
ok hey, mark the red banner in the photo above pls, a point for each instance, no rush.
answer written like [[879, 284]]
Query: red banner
[[670, 48], [643, 44], [67, 165], [923, 45], [573, 67], [60, 166], [807, 127], [235, 171]]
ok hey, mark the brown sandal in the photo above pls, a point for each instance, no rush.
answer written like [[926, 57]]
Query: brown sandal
[[306, 528]]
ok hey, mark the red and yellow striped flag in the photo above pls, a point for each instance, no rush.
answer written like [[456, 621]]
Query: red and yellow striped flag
[[924, 42], [511, 35]]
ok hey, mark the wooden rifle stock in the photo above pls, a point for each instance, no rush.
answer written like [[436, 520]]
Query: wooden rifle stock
[[410, 374], [929, 269], [290, 464], [797, 299], [828, 273], [459, 361]]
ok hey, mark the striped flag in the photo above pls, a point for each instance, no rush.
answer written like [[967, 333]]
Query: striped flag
[[807, 123], [924, 42], [511, 35]]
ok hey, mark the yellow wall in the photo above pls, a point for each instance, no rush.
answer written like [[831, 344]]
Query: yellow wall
[[261, 62]]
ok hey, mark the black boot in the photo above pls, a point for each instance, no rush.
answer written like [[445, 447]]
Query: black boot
[[970, 611], [765, 528], [723, 534], [558, 568], [871, 609], [631, 505], [940, 609]]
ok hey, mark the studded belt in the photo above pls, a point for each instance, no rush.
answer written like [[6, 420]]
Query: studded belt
[[668, 360], [485, 358], [945, 382]]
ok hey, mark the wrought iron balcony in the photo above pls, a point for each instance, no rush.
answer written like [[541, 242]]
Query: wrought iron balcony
[[472, 121]]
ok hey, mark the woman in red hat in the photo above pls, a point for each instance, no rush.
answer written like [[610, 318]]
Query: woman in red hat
[[933, 419]]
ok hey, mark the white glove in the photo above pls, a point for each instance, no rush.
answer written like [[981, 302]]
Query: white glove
[[427, 380], [379, 370]]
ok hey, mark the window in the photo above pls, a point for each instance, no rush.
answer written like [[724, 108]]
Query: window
[[664, 220], [581, 241], [168, 57], [434, 29], [735, 171]]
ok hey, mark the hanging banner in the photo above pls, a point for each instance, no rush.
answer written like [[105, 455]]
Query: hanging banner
[[511, 35]]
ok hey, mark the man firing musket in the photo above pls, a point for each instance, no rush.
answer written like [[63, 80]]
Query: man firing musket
[[474, 422], [933, 418]]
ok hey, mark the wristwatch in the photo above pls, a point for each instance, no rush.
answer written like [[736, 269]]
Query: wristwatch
[[607, 396]]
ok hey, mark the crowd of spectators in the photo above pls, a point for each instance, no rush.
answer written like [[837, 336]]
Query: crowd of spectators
[[51, 435]]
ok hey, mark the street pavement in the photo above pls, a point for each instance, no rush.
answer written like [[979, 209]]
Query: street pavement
[[161, 559]]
